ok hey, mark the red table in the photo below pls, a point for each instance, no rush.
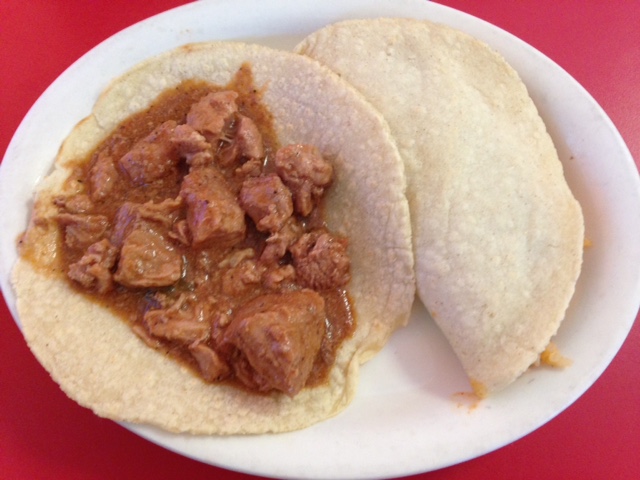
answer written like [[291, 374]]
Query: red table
[[45, 435]]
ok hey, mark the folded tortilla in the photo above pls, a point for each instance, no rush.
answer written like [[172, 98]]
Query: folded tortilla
[[498, 235], [102, 364]]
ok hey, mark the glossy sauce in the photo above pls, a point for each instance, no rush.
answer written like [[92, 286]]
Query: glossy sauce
[[131, 304]]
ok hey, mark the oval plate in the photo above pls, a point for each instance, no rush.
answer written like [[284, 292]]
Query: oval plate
[[410, 413]]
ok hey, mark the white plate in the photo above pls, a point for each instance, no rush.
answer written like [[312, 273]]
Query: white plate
[[406, 417]]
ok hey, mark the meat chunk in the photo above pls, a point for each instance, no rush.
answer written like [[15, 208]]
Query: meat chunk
[[192, 146], [93, 270], [103, 176], [163, 213], [153, 157], [278, 243], [279, 277], [213, 212], [306, 173], [211, 366], [147, 256], [238, 279], [267, 201], [246, 142], [278, 337], [180, 232], [80, 203], [236, 257], [212, 114], [131, 215], [250, 168], [82, 230], [180, 322], [248, 138], [321, 260], [147, 259], [200, 269], [126, 219]]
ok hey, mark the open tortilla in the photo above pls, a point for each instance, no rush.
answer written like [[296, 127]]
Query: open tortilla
[[94, 355], [498, 235]]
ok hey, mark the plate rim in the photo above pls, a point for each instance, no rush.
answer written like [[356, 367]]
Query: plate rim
[[426, 10]]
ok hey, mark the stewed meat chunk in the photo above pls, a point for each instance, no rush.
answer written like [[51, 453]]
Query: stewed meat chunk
[[248, 138], [321, 260], [238, 279], [212, 367], [212, 114], [304, 170], [245, 143], [82, 230], [180, 322], [131, 215], [80, 203], [147, 259], [153, 157], [103, 176], [192, 146], [278, 243], [213, 212], [93, 270], [267, 201], [279, 336]]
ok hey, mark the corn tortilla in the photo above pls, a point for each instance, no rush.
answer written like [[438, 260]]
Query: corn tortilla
[[97, 359], [497, 232]]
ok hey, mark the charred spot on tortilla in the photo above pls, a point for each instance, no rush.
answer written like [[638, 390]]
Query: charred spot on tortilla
[[186, 228]]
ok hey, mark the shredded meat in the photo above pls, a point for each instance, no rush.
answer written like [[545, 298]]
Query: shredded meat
[[180, 322], [164, 213], [93, 270], [278, 277], [278, 243], [246, 142], [192, 146], [250, 168], [238, 279]]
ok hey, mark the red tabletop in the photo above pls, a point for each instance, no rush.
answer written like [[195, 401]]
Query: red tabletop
[[43, 434]]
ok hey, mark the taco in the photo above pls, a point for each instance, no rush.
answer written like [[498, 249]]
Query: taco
[[498, 235], [221, 244]]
